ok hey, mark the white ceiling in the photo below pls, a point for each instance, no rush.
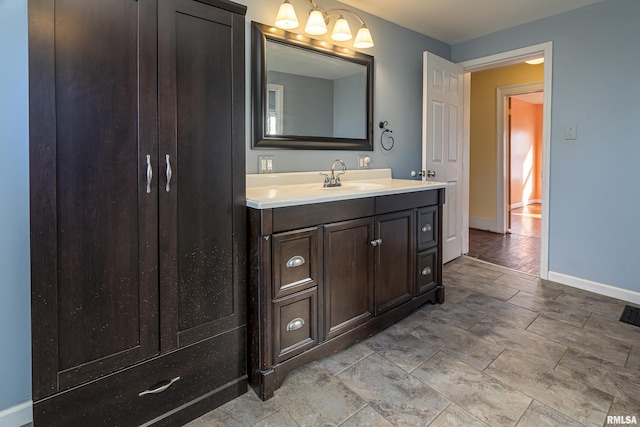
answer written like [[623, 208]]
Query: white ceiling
[[455, 21]]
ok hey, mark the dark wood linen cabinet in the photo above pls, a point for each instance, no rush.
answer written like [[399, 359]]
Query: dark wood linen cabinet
[[137, 209]]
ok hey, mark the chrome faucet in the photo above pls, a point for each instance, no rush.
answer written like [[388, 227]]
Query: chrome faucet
[[333, 180]]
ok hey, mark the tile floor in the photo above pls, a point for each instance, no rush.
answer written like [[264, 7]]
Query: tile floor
[[519, 249], [505, 349]]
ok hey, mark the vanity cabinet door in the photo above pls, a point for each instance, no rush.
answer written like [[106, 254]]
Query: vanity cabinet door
[[394, 254], [348, 275]]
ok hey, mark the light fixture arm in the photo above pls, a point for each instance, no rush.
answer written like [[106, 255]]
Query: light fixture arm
[[330, 12]]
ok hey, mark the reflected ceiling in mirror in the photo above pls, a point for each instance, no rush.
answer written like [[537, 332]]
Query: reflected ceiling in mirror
[[309, 94]]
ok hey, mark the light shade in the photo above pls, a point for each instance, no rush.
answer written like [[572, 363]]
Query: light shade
[[363, 38], [535, 61], [341, 31], [316, 25], [286, 17]]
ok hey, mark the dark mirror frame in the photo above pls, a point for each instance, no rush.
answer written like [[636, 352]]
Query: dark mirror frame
[[260, 33]]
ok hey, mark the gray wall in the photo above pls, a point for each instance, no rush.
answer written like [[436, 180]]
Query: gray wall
[[594, 183], [311, 118], [397, 94], [350, 109], [15, 315]]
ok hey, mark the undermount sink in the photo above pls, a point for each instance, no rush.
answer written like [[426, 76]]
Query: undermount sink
[[353, 186]]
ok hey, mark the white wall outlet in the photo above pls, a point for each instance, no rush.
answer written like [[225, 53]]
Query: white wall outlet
[[571, 132], [265, 164], [363, 161]]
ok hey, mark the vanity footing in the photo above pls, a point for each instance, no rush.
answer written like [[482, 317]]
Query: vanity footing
[[264, 383]]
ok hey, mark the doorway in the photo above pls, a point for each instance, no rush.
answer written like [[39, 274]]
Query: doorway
[[499, 223]]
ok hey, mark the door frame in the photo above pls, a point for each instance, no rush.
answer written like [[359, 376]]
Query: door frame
[[502, 144], [499, 60]]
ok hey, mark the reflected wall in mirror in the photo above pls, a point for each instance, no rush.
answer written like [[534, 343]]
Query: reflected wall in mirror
[[309, 94]]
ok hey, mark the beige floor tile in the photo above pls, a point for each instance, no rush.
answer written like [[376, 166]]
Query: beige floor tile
[[573, 398], [555, 310], [633, 362], [243, 411], [401, 348], [584, 340], [280, 418], [459, 343], [599, 304], [367, 417], [482, 285], [541, 415], [310, 395], [602, 374], [455, 416], [508, 313], [534, 287], [392, 392], [614, 328], [539, 349], [341, 360], [454, 314], [483, 396]]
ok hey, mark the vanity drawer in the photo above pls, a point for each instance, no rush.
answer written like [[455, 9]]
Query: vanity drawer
[[296, 324], [295, 261], [427, 227], [427, 270], [207, 368]]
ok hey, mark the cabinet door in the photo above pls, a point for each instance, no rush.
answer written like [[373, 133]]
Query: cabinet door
[[93, 222], [202, 198], [348, 274], [394, 255]]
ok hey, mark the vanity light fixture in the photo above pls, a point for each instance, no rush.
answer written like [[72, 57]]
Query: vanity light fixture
[[318, 20], [535, 61]]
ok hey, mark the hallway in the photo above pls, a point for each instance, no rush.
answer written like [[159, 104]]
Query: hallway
[[519, 250]]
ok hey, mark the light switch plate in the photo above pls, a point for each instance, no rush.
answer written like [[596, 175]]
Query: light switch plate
[[265, 164], [571, 132]]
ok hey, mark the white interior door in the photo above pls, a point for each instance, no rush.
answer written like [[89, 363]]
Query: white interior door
[[442, 127]]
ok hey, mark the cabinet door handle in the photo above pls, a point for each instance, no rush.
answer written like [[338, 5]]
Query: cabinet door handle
[[161, 387], [426, 228], [149, 173], [376, 242], [169, 174], [296, 323], [426, 271], [295, 261]]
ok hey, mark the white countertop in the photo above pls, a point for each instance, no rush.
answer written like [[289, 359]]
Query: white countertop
[[266, 191]]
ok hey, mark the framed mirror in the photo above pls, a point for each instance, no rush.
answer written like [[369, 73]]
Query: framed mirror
[[308, 94]]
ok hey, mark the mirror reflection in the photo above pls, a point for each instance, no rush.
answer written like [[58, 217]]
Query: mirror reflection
[[314, 95], [309, 94]]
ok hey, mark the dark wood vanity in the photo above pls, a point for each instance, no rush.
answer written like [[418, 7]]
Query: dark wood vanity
[[326, 275]]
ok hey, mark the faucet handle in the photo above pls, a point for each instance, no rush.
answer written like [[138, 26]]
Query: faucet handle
[[326, 178]]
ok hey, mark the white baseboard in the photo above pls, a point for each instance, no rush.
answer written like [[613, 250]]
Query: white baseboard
[[17, 415], [483, 224], [598, 288]]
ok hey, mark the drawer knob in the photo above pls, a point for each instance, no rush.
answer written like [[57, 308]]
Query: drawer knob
[[295, 261], [160, 387], [426, 271], [376, 242], [426, 228], [296, 323]]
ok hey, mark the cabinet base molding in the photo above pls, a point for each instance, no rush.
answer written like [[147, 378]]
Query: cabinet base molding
[[264, 383]]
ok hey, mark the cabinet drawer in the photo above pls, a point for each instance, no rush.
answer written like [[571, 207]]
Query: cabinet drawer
[[296, 325], [427, 227], [295, 261], [115, 399], [427, 270]]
